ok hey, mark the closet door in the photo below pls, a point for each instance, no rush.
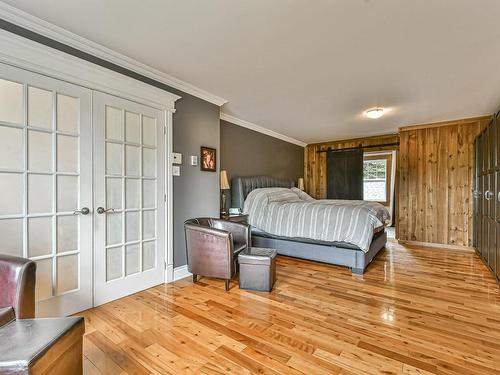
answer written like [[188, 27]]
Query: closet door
[[492, 197], [45, 184], [484, 193], [479, 196], [129, 197], [497, 197], [475, 196], [486, 227]]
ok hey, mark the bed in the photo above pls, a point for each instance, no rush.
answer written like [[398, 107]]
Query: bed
[[347, 233]]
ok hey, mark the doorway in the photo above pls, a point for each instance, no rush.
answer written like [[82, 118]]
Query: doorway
[[83, 182]]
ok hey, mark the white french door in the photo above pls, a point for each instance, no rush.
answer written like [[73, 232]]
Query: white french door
[[129, 189], [82, 190], [45, 185]]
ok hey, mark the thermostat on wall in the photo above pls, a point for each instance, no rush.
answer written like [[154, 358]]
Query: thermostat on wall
[[176, 170], [194, 160], [176, 158]]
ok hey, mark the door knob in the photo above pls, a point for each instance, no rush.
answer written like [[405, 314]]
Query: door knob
[[102, 210], [83, 211]]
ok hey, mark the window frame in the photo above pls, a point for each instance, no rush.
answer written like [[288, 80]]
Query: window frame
[[387, 161]]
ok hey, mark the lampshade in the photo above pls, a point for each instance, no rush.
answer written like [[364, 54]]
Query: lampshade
[[300, 183], [224, 183]]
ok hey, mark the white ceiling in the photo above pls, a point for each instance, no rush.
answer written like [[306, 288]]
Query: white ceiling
[[308, 69]]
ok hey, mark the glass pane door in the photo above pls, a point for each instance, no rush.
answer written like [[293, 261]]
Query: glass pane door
[[45, 174], [129, 195]]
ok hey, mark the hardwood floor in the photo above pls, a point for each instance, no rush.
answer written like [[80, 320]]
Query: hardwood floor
[[414, 311]]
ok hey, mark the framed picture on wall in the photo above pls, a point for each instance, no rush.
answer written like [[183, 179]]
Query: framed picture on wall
[[208, 158]]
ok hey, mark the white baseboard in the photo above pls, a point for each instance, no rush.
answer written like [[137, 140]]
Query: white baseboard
[[169, 273], [181, 272]]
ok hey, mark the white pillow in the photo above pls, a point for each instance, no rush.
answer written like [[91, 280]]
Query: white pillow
[[302, 194], [283, 195]]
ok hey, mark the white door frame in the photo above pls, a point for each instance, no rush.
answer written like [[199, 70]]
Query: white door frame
[[27, 54]]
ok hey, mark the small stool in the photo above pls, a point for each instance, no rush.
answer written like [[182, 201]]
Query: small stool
[[257, 268]]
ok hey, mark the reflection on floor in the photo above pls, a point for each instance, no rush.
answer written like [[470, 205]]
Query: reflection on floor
[[415, 311]]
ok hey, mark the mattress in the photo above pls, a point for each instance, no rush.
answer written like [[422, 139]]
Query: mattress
[[379, 231], [292, 213]]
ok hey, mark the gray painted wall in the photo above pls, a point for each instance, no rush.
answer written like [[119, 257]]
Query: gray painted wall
[[245, 152], [196, 193], [195, 123]]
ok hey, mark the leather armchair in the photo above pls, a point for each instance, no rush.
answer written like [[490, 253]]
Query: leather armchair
[[17, 291], [213, 246]]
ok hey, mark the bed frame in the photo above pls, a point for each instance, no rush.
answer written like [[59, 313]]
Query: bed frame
[[338, 253]]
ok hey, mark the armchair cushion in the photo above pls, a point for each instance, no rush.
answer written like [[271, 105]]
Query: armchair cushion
[[17, 278], [241, 232], [23, 342]]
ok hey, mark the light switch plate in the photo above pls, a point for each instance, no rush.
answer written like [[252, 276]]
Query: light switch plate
[[176, 170], [194, 160], [176, 158]]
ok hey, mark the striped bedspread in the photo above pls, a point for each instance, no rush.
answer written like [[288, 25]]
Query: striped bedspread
[[293, 213]]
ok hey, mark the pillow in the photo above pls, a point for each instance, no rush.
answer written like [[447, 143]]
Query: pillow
[[283, 195], [302, 194]]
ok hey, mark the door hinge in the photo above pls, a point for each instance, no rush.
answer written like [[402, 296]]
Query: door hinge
[[164, 197], [164, 130], [165, 265]]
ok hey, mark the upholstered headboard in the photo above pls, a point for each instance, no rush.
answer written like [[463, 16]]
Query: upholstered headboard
[[242, 186]]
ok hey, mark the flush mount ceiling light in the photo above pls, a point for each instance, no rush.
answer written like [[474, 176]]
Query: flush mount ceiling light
[[374, 113]]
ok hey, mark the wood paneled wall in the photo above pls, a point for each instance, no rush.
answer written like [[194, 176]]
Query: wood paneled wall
[[315, 163], [435, 181], [434, 178]]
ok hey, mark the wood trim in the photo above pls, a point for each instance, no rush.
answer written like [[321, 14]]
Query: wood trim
[[433, 245], [365, 141], [465, 121]]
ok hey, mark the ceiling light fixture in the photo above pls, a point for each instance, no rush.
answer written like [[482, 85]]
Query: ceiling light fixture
[[375, 113]]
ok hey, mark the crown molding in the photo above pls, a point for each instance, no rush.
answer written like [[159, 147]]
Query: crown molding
[[260, 129], [24, 53], [462, 121], [37, 25]]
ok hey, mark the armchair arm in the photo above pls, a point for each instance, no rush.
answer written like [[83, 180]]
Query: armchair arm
[[17, 277], [209, 251], [241, 232]]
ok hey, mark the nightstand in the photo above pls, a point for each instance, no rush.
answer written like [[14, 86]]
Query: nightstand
[[241, 218]]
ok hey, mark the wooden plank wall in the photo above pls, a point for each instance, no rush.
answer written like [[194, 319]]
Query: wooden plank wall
[[315, 163], [435, 181]]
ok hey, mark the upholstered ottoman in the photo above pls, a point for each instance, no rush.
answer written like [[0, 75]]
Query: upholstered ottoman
[[257, 268]]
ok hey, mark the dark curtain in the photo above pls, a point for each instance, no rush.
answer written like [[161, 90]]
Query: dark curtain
[[345, 174]]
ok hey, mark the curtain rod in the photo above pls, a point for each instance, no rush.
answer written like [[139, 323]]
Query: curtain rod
[[329, 149]]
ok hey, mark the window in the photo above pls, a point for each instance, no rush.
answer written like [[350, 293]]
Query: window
[[375, 180]]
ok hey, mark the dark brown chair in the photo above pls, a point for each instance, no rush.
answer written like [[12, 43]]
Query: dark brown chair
[[213, 245], [17, 280]]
